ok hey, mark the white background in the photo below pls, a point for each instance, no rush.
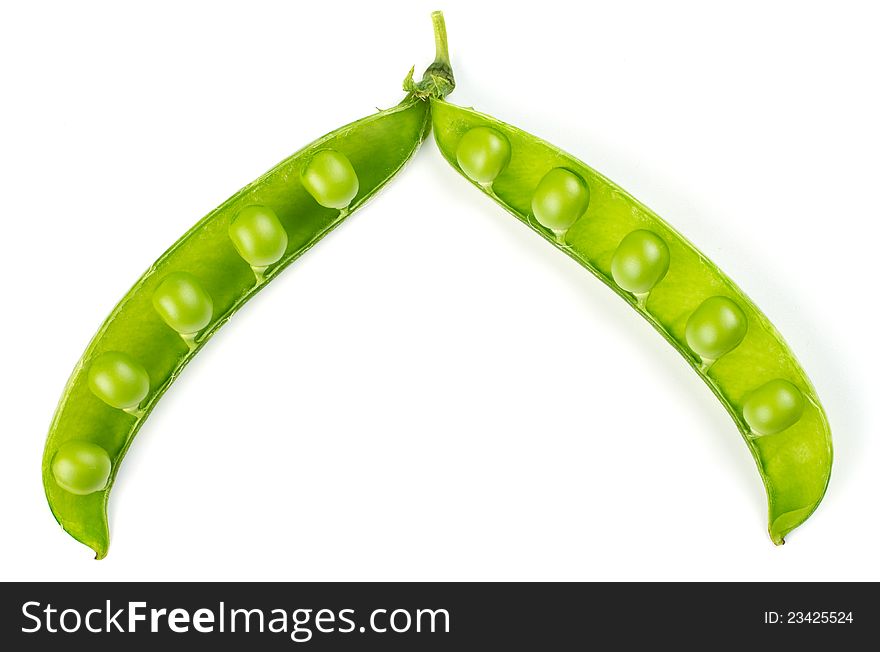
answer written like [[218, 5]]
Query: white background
[[433, 392]]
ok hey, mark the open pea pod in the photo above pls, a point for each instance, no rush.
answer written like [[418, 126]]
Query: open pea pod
[[201, 281], [728, 341]]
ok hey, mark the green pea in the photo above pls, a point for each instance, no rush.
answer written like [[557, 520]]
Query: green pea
[[773, 407], [482, 154], [560, 199], [640, 261], [81, 467], [330, 179], [716, 327], [183, 303], [258, 236], [119, 380]]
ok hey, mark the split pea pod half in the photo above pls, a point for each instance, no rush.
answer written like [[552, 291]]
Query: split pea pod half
[[693, 304], [201, 281]]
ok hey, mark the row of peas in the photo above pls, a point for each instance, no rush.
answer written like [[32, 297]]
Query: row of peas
[[119, 380], [640, 262]]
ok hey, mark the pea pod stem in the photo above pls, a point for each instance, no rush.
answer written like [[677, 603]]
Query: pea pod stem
[[438, 80], [441, 60]]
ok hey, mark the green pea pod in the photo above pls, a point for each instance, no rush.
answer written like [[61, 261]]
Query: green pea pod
[[693, 304], [202, 280]]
